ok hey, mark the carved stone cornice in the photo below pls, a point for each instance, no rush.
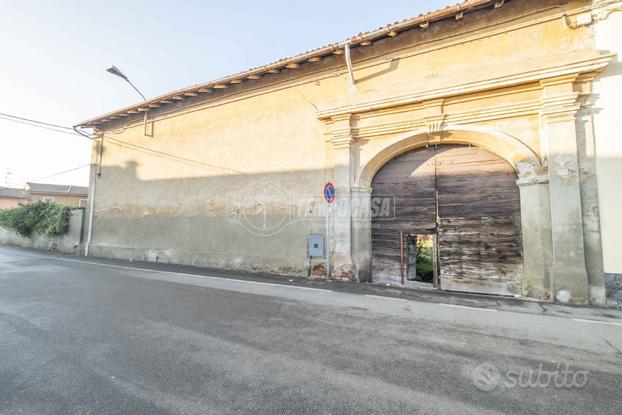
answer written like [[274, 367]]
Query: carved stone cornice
[[560, 99], [532, 180], [340, 132], [603, 8], [582, 63]]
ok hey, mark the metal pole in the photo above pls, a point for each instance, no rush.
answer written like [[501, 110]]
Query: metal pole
[[87, 246], [140, 93], [328, 239], [402, 255], [349, 63]]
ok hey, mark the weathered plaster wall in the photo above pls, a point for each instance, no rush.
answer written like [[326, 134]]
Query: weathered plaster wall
[[60, 199], [235, 180], [6, 203], [608, 141], [69, 243]]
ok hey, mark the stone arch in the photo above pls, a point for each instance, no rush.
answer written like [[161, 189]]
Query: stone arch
[[518, 154]]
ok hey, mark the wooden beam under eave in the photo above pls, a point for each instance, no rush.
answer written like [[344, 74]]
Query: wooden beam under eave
[[221, 86], [124, 115], [365, 43], [191, 94], [143, 109], [205, 90], [314, 59], [392, 33], [132, 112], [253, 76], [338, 52], [178, 98], [166, 101], [235, 81], [154, 105], [292, 65], [274, 70]]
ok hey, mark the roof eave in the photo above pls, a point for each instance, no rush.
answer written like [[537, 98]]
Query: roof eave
[[358, 40]]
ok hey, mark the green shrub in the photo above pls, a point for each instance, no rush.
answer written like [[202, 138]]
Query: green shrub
[[43, 218]]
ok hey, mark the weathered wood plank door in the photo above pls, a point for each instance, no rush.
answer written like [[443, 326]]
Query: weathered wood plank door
[[409, 178], [480, 245], [469, 198]]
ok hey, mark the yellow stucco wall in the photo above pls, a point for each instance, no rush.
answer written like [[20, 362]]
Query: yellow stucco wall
[[167, 196]]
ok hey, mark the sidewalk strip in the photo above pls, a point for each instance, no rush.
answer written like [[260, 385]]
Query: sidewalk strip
[[610, 323], [467, 307], [181, 274], [385, 298]]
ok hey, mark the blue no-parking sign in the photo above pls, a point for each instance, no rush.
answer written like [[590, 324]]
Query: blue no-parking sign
[[329, 192]]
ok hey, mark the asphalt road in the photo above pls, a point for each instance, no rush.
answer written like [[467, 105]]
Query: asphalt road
[[95, 338]]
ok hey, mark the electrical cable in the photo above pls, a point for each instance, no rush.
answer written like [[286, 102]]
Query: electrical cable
[[74, 131], [35, 121], [37, 125], [53, 175]]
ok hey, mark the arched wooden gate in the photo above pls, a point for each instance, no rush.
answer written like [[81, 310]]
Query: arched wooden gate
[[467, 200]]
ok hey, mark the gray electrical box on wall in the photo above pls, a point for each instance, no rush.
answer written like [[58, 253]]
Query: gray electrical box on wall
[[316, 245]]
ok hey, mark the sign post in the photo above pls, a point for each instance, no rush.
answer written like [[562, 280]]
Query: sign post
[[329, 195]]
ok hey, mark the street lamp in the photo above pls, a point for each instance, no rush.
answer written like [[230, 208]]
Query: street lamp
[[116, 71]]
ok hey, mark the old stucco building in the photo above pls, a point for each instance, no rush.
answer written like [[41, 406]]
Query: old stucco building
[[475, 124]]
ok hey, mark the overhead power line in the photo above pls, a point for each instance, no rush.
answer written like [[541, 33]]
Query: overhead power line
[[35, 121], [53, 174], [40, 124], [73, 131]]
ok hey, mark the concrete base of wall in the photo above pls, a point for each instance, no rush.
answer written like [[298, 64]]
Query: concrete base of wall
[[203, 259], [613, 284]]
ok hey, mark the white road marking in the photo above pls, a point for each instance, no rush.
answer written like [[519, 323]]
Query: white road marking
[[467, 307], [611, 323], [182, 274], [385, 298]]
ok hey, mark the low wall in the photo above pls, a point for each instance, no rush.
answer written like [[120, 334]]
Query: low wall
[[613, 283], [69, 243]]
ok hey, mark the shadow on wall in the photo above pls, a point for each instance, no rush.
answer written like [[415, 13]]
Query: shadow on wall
[[256, 222], [238, 221]]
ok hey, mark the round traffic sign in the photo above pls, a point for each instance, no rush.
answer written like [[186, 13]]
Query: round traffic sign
[[329, 192]]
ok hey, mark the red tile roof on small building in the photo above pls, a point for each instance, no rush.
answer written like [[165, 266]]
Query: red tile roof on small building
[[12, 193]]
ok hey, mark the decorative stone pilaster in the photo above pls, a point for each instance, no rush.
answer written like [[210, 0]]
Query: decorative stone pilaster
[[361, 232], [536, 233], [341, 136], [586, 155], [569, 279]]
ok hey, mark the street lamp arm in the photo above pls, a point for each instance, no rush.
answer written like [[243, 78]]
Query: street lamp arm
[[141, 94], [117, 72]]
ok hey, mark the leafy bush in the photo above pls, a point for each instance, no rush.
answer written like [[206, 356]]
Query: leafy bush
[[424, 262], [43, 218]]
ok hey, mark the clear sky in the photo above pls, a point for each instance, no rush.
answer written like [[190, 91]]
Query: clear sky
[[53, 57]]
